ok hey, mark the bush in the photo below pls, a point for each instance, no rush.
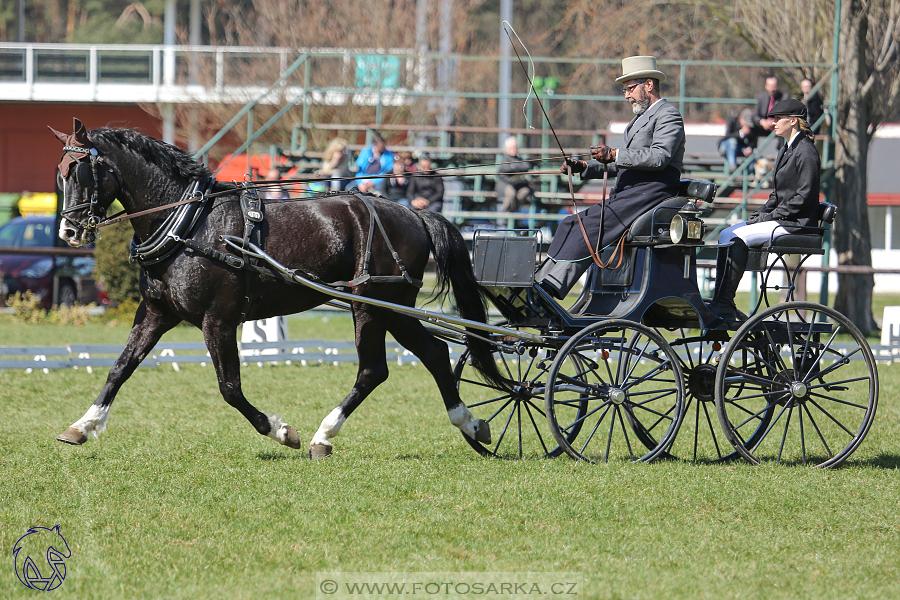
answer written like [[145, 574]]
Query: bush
[[26, 307], [71, 315], [120, 278]]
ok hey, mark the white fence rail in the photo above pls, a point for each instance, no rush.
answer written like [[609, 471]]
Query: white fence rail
[[175, 354], [288, 352]]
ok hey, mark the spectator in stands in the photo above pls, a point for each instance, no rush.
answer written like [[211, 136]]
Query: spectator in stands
[[409, 163], [394, 188], [815, 106], [513, 190], [274, 192], [740, 140], [793, 203], [426, 188], [336, 163], [765, 101], [374, 160]]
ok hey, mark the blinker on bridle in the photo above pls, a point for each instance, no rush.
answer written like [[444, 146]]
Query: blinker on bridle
[[85, 175]]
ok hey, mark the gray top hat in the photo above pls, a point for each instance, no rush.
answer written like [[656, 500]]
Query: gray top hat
[[636, 67]]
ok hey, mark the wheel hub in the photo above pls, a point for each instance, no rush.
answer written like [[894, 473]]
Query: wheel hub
[[799, 390], [618, 396], [702, 382]]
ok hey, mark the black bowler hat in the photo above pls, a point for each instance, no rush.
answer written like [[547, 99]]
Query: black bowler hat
[[788, 108]]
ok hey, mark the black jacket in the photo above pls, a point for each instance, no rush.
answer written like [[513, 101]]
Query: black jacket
[[795, 197], [733, 130], [430, 187]]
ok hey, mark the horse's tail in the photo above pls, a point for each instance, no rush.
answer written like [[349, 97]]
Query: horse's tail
[[454, 267]]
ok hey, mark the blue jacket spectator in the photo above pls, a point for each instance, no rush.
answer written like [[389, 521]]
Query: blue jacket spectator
[[374, 160]]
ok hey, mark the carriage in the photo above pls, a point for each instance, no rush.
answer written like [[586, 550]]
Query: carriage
[[637, 369], [617, 375]]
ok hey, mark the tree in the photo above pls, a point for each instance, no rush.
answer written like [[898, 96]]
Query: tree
[[868, 90], [119, 277]]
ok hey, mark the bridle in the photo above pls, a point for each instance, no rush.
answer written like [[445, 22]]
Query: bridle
[[83, 170]]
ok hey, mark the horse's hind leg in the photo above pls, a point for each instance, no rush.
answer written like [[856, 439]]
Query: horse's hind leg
[[221, 341], [435, 355], [149, 326], [373, 371]]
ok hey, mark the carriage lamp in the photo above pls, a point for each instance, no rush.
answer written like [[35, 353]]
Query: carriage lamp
[[686, 226]]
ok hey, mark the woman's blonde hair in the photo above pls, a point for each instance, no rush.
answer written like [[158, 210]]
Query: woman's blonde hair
[[805, 129], [335, 145]]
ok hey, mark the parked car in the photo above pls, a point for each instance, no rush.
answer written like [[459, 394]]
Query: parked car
[[73, 275]]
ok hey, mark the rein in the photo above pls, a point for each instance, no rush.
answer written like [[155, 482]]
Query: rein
[[121, 216]]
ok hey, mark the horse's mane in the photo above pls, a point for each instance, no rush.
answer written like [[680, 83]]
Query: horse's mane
[[171, 160]]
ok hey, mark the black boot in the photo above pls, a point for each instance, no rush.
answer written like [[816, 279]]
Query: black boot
[[730, 264]]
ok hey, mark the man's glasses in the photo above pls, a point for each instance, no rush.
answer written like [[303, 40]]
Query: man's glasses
[[627, 89]]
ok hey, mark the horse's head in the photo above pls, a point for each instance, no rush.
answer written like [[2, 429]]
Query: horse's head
[[89, 186]]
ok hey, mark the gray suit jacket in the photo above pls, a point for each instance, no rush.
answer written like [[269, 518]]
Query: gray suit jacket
[[653, 141], [647, 171]]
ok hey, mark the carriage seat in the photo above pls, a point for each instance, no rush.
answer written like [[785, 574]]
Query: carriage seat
[[652, 227], [807, 241]]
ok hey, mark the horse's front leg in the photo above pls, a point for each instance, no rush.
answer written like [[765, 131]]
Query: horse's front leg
[[221, 341], [149, 326]]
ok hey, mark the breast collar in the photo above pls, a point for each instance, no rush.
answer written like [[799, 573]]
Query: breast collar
[[179, 224]]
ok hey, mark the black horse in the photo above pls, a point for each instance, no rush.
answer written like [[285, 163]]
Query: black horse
[[325, 238]]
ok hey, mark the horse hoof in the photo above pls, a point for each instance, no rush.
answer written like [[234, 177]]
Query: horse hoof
[[72, 436], [291, 439], [317, 451], [482, 431]]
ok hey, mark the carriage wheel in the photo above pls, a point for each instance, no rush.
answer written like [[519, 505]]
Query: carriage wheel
[[630, 380], [516, 416], [792, 388], [700, 436]]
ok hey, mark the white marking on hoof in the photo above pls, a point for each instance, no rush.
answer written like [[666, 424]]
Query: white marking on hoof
[[459, 415], [317, 451], [93, 423], [330, 427], [477, 429], [283, 433]]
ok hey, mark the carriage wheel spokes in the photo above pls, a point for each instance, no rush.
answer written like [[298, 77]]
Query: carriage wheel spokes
[[811, 393], [626, 382], [516, 415], [700, 437]]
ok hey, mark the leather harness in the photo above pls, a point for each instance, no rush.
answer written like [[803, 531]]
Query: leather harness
[[179, 226]]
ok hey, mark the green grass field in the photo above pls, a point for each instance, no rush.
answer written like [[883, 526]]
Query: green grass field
[[180, 498]]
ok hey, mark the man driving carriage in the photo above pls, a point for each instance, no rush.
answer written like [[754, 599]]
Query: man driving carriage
[[647, 168]]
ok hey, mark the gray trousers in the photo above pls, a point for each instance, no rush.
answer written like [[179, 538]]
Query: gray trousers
[[558, 277]]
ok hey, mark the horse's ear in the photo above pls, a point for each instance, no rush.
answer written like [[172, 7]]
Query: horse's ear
[[81, 135], [59, 135]]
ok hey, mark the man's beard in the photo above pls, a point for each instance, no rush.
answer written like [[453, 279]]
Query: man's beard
[[639, 107]]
